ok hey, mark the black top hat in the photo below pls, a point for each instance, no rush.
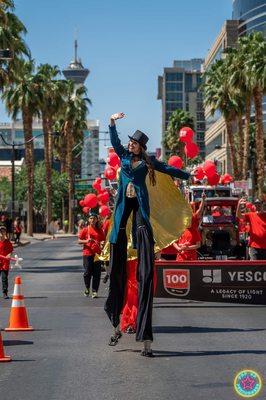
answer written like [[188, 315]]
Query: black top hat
[[93, 214], [141, 138]]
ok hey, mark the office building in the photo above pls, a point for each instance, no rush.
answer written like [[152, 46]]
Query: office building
[[178, 88], [216, 136], [90, 165], [251, 15]]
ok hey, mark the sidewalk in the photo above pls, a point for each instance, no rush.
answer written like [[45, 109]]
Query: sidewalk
[[25, 239]]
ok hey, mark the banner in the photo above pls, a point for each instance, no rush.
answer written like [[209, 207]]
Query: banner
[[230, 281]]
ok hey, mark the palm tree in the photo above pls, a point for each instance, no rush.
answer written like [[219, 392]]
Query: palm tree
[[178, 119], [49, 101], [21, 96], [255, 69], [74, 114], [220, 95], [12, 31]]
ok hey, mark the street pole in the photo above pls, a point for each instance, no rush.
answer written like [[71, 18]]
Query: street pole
[[12, 183]]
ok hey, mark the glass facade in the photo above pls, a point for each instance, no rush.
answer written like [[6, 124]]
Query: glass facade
[[252, 17], [181, 91], [217, 141], [251, 14]]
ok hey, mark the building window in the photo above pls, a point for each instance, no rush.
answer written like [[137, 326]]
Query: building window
[[172, 106], [189, 83], [200, 116], [217, 141], [200, 126], [200, 136], [174, 76], [174, 87], [174, 96]]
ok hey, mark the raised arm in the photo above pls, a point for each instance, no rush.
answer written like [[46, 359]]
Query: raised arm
[[167, 169], [115, 141], [239, 213]]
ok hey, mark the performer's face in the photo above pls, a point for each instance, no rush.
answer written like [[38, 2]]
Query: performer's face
[[92, 220], [134, 147], [2, 234]]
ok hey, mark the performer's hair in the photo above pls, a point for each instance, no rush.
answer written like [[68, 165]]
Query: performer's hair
[[150, 167]]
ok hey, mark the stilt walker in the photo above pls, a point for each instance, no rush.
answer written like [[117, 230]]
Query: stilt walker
[[133, 197]]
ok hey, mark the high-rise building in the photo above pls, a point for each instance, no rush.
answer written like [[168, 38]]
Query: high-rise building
[[251, 15], [178, 88], [215, 136], [90, 166], [248, 16]]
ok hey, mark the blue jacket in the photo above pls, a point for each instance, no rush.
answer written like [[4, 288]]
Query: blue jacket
[[137, 176]]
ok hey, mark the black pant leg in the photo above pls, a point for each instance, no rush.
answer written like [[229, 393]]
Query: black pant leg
[[4, 274], [96, 276], [118, 260], [145, 249], [88, 267]]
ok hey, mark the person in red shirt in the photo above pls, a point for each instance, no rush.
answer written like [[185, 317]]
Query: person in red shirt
[[185, 247], [257, 228], [6, 249], [189, 242], [17, 230], [91, 237]]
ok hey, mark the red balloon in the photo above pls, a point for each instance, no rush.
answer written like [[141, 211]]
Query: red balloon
[[227, 178], [191, 149], [110, 173], [209, 167], [103, 197], [175, 161], [96, 186], [86, 210], [91, 200], [199, 173], [214, 179], [113, 160], [104, 211], [186, 134], [81, 203]]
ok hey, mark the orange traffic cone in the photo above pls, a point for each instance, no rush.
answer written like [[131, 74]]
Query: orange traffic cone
[[18, 320], [3, 358]]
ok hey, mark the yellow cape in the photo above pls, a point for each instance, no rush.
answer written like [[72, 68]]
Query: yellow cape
[[170, 215]]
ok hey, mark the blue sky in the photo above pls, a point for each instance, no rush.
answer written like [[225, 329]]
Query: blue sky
[[125, 44]]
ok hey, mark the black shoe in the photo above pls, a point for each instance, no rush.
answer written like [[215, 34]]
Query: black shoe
[[146, 353], [105, 278], [114, 339], [5, 296]]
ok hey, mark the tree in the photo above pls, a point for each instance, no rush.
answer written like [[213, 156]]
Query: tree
[[11, 37], [178, 119], [59, 188], [21, 96], [255, 69], [49, 101], [238, 79], [219, 94], [74, 114], [5, 192]]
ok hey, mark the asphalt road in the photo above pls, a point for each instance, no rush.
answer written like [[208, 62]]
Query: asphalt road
[[199, 347]]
